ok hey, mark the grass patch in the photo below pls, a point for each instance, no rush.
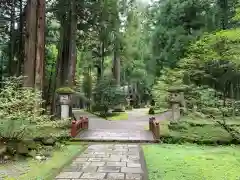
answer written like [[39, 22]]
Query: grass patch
[[48, 169], [188, 162], [116, 116], [159, 111], [201, 131]]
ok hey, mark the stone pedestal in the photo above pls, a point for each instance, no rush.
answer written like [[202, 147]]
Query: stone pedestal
[[176, 112], [65, 104], [177, 101]]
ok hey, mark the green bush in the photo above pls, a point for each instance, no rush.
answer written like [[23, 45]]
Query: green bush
[[201, 131], [136, 106], [129, 107], [20, 111], [107, 96], [151, 111], [98, 108]]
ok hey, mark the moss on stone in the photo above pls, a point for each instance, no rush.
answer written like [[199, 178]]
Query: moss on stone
[[212, 111], [65, 90], [175, 101], [180, 88]]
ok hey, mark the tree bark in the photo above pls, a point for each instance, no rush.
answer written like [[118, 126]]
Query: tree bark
[[116, 59], [59, 63], [40, 49], [12, 39], [232, 99], [65, 52], [116, 68], [102, 59], [72, 60], [30, 43], [59, 60], [21, 37]]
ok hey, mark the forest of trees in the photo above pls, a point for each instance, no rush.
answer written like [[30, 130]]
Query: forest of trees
[[87, 44], [99, 48], [121, 54]]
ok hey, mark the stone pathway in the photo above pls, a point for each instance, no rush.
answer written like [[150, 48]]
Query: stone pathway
[[137, 120], [132, 129], [116, 135], [107, 162]]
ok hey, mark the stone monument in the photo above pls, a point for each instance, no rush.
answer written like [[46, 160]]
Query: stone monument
[[177, 102], [65, 102]]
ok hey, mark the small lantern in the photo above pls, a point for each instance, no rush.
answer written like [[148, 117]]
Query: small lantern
[[65, 101], [65, 105]]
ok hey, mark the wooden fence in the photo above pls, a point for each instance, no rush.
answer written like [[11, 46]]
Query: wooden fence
[[79, 125], [154, 127]]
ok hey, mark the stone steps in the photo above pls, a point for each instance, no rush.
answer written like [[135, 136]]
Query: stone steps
[[107, 162]]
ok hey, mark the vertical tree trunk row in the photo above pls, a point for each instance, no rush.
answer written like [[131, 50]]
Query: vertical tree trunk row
[[30, 46], [34, 44], [12, 39], [21, 40], [72, 60], [40, 49], [67, 52]]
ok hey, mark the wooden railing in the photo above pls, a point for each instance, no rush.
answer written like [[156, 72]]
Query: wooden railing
[[78, 125], [154, 127]]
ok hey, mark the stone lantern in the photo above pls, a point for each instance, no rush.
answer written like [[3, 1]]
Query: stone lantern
[[177, 101], [175, 105], [65, 102]]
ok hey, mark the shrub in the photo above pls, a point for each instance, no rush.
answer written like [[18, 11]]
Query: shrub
[[129, 107], [108, 95], [197, 130], [20, 111], [151, 111]]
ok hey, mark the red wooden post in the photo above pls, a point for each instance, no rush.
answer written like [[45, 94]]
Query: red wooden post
[[154, 126], [87, 121], [83, 123], [73, 129], [150, 123], [78, 125], [157, 135], [154, 121]]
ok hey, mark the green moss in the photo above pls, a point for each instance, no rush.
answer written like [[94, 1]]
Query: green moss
[[159, 110], [201, 131], [65, 90], [187, 162], [118, 116], [212, 111], [180, 88], [50, 168]]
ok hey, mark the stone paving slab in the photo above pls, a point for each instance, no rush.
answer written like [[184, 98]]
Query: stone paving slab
[[116, 135], [89, 166]]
